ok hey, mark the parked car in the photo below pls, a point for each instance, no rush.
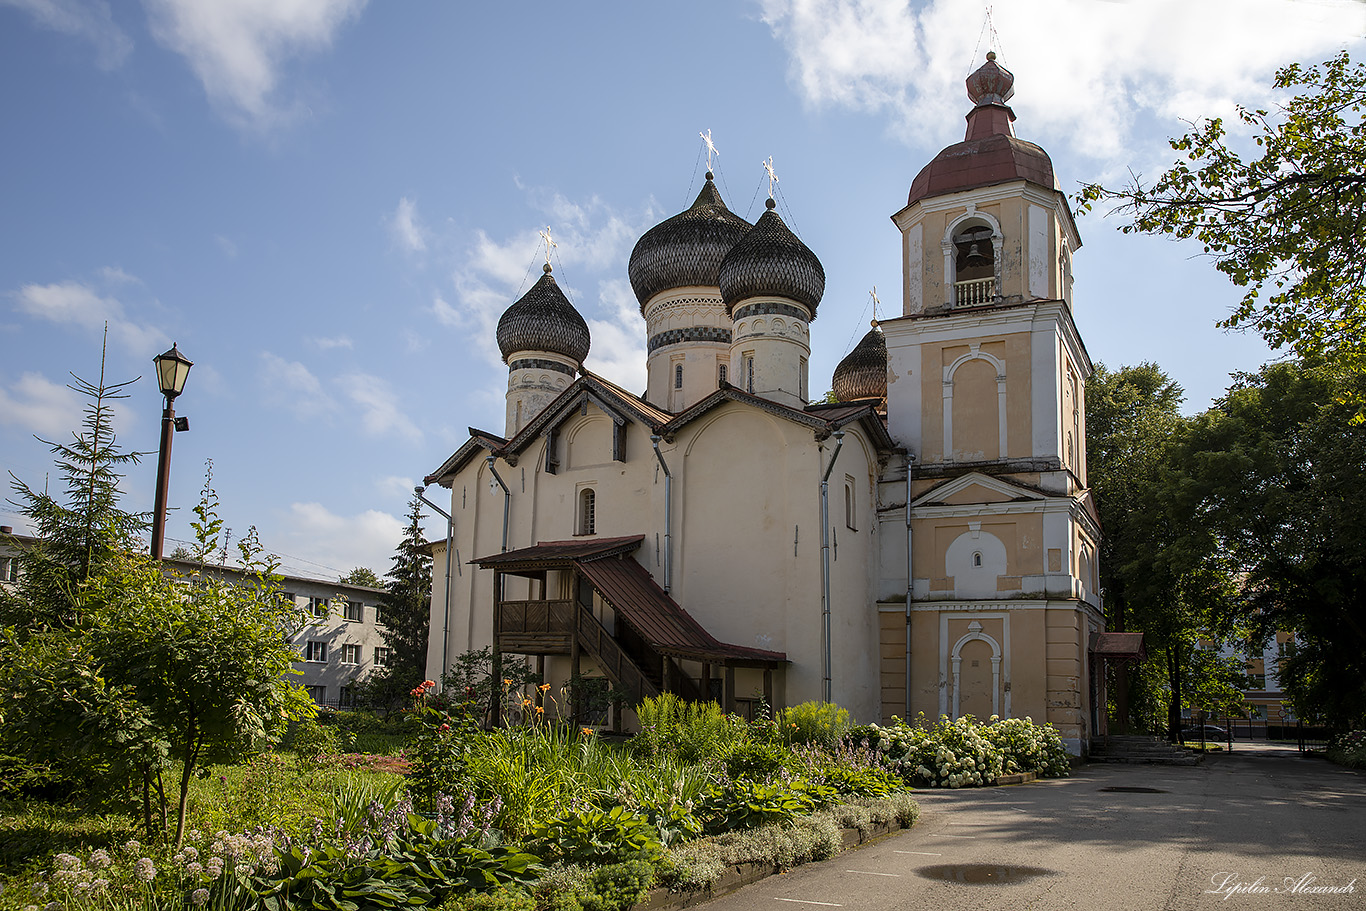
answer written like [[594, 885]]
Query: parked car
[[1209, 732]]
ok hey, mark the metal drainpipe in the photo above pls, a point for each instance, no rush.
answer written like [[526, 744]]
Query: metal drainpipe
[[668, 513], [507, 499], [496, 718], [910, 578], [825, 556], [450, 545]]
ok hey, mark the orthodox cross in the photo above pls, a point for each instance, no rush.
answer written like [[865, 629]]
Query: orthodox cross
[[711, 148], [772, 177], [873, 295], [545, 236]]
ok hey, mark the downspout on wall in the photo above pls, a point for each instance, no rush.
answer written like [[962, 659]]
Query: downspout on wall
[[825, 561], [450, 545], [668, 513], [496, 712], [910, 577]]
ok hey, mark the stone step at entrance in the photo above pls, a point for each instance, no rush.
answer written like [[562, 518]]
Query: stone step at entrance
[[1135, 748]]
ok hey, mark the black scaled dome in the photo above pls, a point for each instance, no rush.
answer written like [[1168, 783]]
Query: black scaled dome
[[543, 319], [686, 249], [772, 262], [863, 372]]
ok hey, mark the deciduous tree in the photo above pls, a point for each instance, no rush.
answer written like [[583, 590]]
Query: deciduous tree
[[1288, 222]]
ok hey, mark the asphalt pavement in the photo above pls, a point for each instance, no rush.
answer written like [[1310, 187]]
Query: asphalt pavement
[[1263, 827]]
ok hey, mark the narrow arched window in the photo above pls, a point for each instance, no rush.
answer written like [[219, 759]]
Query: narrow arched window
[[977, 558], [749, 373], [588, 511], [849, 507], [721, 375], [678, 376]]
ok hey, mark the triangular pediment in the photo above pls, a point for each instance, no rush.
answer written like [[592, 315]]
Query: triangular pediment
[[976, 487]]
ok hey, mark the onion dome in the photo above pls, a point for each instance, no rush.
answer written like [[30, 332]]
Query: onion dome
[[772, 262], [991, 83], [686, 249], [990, 153], [543, 319], [863, 372]]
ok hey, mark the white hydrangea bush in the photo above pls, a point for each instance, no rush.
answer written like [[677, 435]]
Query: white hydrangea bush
[[963, 752]]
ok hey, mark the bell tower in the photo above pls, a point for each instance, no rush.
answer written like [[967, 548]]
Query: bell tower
[[986, 376]]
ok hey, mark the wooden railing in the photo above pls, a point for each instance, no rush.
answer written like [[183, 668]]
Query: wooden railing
[[974, 292], [536, 617], [613, 660]]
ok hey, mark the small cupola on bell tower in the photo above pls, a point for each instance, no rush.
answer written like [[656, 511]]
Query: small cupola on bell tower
[[544, 341], [985, 223]]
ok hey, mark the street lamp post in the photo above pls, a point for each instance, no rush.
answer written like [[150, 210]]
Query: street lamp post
[[172, 368]]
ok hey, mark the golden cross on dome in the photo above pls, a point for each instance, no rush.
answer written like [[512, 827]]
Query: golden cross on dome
[[711, 147], [873, 295], [772, 177], [545, 236]]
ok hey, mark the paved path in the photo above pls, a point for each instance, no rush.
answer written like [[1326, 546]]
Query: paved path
[[1258, 813]]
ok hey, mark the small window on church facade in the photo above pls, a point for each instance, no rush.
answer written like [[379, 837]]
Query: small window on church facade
[[721, 374], [588, 512], [678, 376], [749, 372], [977, 559], [849, 505]]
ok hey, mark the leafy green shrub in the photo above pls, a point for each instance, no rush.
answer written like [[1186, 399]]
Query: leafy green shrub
[[591, 836], [747, 804], [861, 782], [618, 887], [689, 731], [751, 759], [1350, 750], [311, 740], [438, 755], [819, 723], [1028, 747], [501, 899]]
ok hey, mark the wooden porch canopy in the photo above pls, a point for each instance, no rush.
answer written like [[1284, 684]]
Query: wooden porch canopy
[[635, 596], [1118, 646]]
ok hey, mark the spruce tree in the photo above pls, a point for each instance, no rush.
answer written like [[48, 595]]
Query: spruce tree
[[81, 532], [406, 607]]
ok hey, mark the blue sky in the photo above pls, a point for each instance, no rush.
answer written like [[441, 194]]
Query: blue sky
[[328, 203]]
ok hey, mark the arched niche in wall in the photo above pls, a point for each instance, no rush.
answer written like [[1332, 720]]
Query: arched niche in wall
[[974, 560], [975, 407], [588, 442], [976, 670]]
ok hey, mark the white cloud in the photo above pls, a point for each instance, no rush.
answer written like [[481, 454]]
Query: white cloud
[[291, 385], [380, 415], [89, 20], [405, 228], [1120, 60], [618, 351], [237, 47], [337, 341], [78, 304], [396, 487], [226, 245], [314, 533], [591, 238], [40, 406]]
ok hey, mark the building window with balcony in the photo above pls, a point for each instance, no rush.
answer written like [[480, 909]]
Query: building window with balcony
[[382, 656], [974, 260], [588, 512], [315, 651], [350, 653], [354, 611]]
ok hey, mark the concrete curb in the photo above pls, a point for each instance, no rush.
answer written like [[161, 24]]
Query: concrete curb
[[747, 874]]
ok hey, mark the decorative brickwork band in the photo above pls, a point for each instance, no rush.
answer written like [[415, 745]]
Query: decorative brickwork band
[[540, 363], [780, 309], [694, 334]]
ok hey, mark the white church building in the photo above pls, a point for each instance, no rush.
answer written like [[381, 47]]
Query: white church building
[[926, 544]]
